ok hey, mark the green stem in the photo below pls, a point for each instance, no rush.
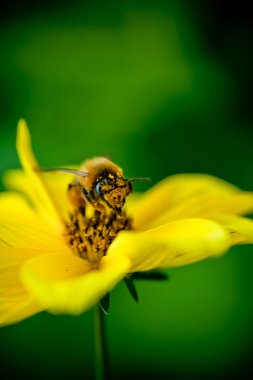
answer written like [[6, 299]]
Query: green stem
[[101, 352]]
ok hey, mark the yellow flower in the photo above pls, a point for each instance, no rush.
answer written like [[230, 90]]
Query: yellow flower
[[183, 219]]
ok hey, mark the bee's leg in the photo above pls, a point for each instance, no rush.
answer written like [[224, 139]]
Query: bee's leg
[[87, 196], [89, 199], [75, 195]]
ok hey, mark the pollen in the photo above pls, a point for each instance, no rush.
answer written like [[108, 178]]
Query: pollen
[[90, 236]]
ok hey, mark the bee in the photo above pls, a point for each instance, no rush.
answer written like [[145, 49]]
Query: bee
[[99, 182]]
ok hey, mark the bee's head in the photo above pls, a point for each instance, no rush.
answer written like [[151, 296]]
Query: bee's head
[[113, 191]]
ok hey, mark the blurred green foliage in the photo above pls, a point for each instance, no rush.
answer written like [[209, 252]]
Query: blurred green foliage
[[140, 82]]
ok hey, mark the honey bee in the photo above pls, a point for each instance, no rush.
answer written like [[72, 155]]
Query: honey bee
[[100, 183]]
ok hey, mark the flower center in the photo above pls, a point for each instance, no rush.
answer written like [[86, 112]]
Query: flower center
[[91, 236]]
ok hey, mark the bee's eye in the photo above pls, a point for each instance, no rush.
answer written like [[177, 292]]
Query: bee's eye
[[102, 181]]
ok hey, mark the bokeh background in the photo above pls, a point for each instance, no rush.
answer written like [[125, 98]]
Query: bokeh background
[[161, 87]]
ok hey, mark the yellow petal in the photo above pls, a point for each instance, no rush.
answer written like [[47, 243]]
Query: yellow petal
[[18, 180], [56, 183], [240, 228], [21, 234], [15, 302], [132, 203], [66, 284], [187, 196], [15, 311], [174, 244], [31, 167], [206, 206], [13, 205]]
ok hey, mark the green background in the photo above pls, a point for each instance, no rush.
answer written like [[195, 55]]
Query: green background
[[162, 88]]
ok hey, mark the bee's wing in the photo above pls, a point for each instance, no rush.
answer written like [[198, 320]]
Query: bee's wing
[[81, 173]]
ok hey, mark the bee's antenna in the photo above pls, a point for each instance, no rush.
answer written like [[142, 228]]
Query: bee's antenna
[[139, 179], [63, 170]]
